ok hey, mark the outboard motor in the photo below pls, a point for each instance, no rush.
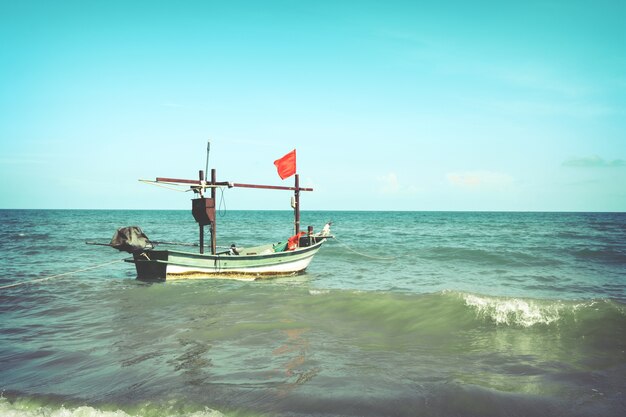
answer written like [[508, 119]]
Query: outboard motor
[[131, 239]]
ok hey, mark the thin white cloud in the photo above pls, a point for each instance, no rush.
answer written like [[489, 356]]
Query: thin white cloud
[[172, 104], [539, 78], [20, 161], [593, 162], [252, 142], [479, 180], [533, 88], [549, 107], [389, 184]]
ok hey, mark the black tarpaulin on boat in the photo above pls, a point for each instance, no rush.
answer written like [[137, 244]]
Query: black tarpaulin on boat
[[130, 239]]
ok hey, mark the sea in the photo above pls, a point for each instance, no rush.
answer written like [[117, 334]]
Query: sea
[[401, 314]]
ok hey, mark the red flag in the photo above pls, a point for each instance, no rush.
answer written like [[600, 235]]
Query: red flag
[[286, 165]]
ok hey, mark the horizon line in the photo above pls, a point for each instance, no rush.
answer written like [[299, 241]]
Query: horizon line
[[328, 210]]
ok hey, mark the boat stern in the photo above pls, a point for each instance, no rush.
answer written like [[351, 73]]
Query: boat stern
[[150, 265]]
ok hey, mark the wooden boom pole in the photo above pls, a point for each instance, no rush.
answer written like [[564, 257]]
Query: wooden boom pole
[[229, 184], [296, 209]]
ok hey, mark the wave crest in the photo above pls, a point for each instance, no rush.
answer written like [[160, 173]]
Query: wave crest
[[524, 312], [513, 311]]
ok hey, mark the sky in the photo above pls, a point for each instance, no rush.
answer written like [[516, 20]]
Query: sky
[[391, 105]]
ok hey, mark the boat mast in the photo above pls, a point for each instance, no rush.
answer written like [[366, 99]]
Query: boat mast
[[200, 224], [296, 209], [213, 229]]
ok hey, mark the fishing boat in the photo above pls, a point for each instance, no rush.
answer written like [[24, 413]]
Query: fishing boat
[[289, 257]]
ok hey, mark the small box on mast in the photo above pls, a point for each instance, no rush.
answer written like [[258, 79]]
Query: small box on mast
[[203, 210]]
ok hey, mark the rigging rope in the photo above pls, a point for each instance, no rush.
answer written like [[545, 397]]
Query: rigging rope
[[221, 210], [385, 258], [59, 275], [171, 188]]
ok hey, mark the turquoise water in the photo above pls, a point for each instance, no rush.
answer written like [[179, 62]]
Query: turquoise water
[[404, 314]]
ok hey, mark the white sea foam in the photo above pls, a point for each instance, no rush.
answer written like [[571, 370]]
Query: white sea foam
[[27, 409], [513, 311], [318, 292]]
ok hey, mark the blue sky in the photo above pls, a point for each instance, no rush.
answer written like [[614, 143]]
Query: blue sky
[[391, 105]]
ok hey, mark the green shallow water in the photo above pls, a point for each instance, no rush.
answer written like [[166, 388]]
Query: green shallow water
[[476, 314]]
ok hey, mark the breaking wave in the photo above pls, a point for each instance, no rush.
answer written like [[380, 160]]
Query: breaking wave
[[528, 312], [453, 311], [513, 311]]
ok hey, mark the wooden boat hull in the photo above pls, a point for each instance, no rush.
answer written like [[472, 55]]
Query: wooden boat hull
[[170, 264]]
